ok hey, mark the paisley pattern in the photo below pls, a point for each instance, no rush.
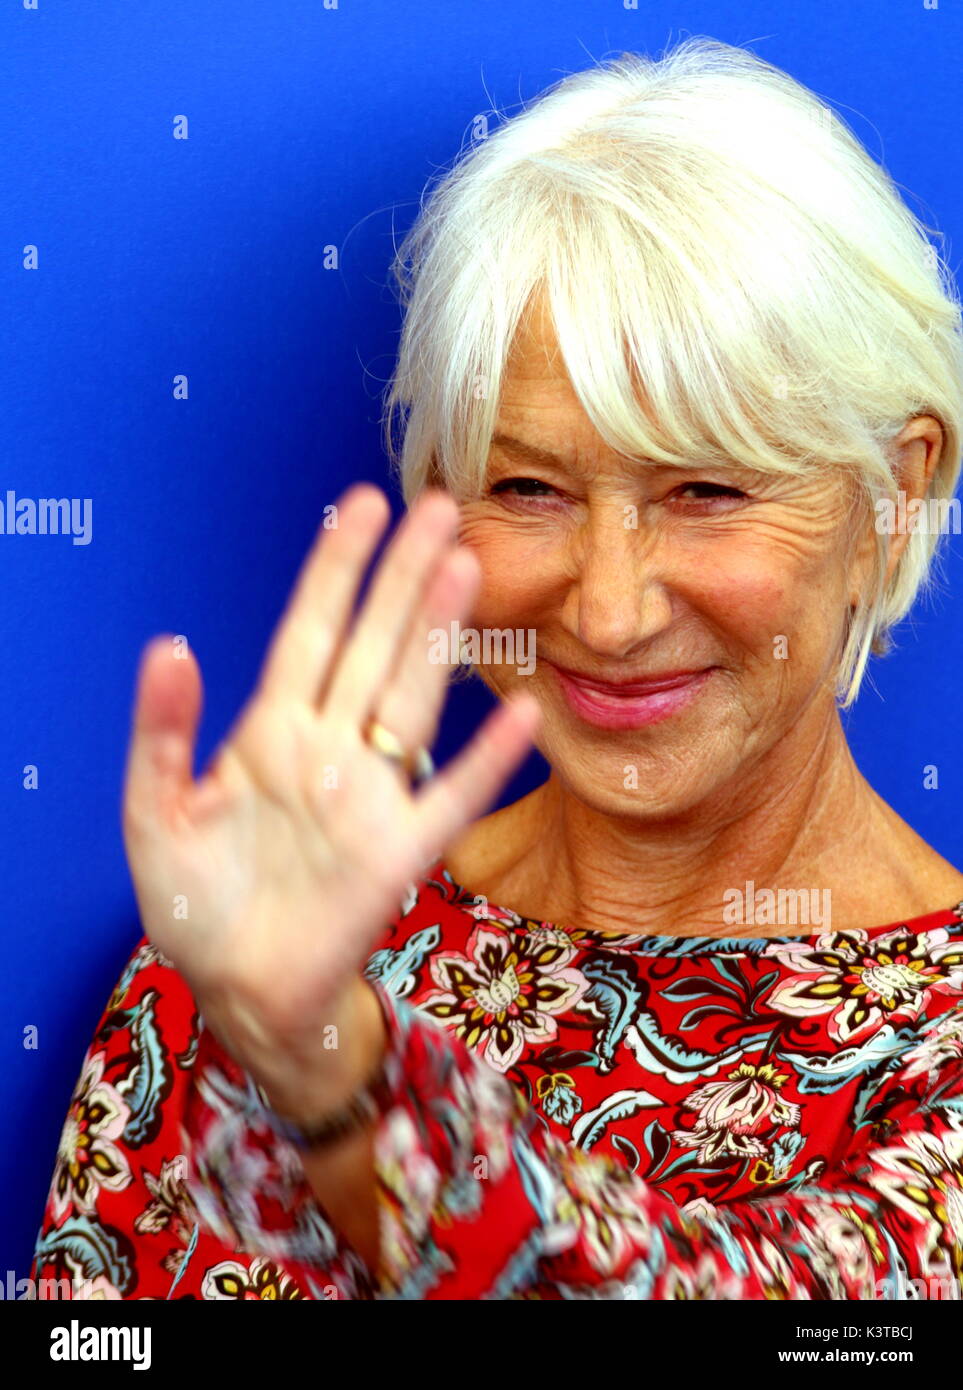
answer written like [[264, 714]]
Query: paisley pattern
[[573, 1114]]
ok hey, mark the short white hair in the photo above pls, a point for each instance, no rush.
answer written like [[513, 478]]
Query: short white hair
[[705, 227]]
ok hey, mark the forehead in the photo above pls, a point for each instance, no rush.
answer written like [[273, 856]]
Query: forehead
[[536, 383], [536, 386]]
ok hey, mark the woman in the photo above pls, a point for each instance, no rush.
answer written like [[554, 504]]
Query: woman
[[672, 343]]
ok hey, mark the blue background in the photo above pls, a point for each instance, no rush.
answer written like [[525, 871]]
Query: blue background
[[308, 127]]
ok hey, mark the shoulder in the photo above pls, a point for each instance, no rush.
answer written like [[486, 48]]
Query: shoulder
[[145, 1043], [921, 879], [134, 1075], [150, 988]]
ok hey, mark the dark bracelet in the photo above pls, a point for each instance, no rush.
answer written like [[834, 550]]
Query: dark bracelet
[[363, 1106]]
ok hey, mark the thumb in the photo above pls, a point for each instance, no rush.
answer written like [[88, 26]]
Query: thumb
[[167, 708]]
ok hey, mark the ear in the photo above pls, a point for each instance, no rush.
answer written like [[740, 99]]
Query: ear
[[917, 451]]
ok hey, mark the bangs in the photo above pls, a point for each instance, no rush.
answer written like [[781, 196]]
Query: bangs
[[686, 332]]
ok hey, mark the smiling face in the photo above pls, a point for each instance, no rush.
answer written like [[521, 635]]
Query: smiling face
[[731, 586]]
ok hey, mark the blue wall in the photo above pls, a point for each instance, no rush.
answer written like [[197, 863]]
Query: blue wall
[[308, 127]]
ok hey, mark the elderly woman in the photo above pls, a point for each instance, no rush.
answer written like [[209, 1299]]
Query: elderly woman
[[674, 351]]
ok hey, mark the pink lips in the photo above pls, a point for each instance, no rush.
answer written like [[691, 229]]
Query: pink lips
[[630, 706]]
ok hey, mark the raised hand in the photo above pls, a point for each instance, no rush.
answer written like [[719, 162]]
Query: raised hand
[[268, 880]]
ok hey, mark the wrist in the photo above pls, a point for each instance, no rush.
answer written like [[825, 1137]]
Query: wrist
[[321, 1081]]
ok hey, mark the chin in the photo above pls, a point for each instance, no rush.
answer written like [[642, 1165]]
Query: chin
[[659, 788]]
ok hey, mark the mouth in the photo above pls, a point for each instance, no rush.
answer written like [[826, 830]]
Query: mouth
[[630, 704]]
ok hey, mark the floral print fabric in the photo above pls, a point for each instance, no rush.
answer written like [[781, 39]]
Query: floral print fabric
[[573, 1114]]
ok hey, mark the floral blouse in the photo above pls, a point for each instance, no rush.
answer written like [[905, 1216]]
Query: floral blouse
[[572, 1114]]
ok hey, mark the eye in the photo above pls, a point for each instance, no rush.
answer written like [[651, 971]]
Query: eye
[[523, 487], [710, 492]]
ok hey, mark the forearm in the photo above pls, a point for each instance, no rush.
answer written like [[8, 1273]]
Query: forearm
[[342, 1178], [341, 1174]]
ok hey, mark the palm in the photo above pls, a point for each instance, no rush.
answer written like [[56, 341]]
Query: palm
[[267, 881]]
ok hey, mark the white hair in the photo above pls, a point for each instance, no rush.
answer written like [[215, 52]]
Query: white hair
[[706, 228]]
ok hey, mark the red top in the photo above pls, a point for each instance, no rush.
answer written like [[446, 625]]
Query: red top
[[574, 1114]]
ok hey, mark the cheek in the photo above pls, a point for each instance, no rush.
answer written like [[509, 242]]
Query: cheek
[[773, 608], [749, 599], [732, 579], [519, 573]]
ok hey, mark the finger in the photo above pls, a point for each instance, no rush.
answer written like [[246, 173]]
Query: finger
[[411, 703], [467, 785], [420, 542], [160, 757], [319, 611]]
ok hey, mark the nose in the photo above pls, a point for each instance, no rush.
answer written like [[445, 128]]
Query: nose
[[619, 599]]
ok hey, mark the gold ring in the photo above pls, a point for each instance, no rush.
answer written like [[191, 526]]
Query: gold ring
[[417, 764]]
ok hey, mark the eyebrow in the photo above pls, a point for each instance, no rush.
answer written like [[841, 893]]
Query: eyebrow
[[532, 452], [535, 454]]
